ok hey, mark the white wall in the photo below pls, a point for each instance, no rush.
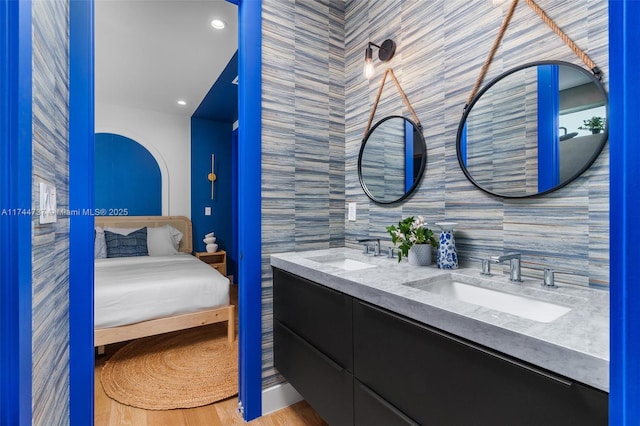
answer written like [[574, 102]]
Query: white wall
[[168, 139]]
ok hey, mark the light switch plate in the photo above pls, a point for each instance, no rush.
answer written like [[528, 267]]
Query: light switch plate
[[207, 211], [352, 212], [48, 204]]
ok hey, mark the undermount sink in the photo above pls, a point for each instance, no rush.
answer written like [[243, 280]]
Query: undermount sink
[[455, 287], [342, 262]]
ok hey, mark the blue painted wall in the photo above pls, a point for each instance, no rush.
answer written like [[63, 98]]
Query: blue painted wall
[[126, 177], [211, 137]]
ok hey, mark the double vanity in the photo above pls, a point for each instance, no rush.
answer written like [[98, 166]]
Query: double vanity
[[370, 341]]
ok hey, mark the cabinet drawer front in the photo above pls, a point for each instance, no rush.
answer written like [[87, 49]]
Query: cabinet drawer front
[[436, 378], [370, 409], [320, 315], [326, 386]]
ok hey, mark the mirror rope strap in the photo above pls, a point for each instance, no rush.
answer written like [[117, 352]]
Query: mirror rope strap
[[389, 71], [492, 52], [554, 27]]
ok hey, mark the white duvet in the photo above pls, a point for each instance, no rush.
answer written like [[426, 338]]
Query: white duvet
[[134, 289]]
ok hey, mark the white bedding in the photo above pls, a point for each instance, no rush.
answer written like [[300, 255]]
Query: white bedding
[[134, 289]]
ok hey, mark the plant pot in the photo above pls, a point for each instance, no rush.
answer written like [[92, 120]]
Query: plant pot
[[420, 255], [595, 131]]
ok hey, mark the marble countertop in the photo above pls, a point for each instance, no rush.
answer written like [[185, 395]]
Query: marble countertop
[[575, 345]]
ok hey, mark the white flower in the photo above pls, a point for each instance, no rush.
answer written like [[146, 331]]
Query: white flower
[[399, 235]]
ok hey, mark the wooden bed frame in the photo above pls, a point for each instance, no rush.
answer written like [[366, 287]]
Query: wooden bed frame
[[105, 336]]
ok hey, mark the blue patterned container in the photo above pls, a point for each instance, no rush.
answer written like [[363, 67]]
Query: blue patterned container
[[447, 255]]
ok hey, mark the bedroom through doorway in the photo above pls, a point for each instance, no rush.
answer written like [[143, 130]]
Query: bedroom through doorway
[[166, 118]]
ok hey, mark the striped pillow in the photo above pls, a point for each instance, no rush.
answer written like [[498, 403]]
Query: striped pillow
[[133, 244]]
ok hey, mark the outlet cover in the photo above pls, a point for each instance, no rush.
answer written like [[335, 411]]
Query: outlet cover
[[207, 211], [48, 204], [352, 212]]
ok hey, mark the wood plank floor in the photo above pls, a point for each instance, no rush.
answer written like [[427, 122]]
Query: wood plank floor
[[223, 413]]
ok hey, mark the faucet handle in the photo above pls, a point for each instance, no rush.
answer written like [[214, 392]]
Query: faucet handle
[[549, 278], [390, 252], [486, 267]]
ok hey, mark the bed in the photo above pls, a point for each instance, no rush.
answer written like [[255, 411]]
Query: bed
[[142, 296]]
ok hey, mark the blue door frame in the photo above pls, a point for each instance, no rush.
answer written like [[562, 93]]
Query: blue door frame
[[624, 92], [15, 228], [249, 206], [81, 189]]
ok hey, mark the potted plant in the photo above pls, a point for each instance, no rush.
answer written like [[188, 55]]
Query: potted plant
[[595, 124], [412, 233]]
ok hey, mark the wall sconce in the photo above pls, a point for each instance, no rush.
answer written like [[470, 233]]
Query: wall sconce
[[385, 53], [212, 176]]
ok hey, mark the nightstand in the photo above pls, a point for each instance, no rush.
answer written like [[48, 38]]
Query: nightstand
[[217, 260]]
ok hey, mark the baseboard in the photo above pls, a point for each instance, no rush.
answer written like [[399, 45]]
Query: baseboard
[[279, 396]]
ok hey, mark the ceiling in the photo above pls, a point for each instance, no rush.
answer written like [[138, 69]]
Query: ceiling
[[151, 53]]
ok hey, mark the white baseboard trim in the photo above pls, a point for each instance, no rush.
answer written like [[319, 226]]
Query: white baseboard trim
[[279, 396]]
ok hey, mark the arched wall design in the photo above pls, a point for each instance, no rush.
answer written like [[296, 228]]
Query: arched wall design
[[128, 180], [164, 170]]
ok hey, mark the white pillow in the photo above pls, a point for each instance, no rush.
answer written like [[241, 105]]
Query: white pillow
[[161, 241], [100, 244]]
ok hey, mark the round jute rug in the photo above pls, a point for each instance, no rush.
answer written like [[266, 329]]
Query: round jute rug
[[183, 369]]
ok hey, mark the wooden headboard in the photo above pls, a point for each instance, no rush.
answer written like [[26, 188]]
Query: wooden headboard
[[181, 223]]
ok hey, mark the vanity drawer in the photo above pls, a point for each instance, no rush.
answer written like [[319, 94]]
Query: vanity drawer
[[325, 385], [370, 409], [436, 378], [321, 316]]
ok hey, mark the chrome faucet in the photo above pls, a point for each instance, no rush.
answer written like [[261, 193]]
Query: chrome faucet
[[376, 245], [514, 265]]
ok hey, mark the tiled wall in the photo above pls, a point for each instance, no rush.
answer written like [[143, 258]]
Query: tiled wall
[[316, 103], [441, 46], [302, 137], [50, 242]]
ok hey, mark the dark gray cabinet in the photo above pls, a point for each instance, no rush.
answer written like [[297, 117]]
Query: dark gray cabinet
[[370, 409], [324, 384], [320, 315], [313, 347], [356, 363], [436, 378]]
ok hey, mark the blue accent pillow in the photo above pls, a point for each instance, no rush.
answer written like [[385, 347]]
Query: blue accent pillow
[[133, 244]]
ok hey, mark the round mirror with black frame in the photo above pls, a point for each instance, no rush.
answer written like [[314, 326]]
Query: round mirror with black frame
[[533, 129], [392, 159]]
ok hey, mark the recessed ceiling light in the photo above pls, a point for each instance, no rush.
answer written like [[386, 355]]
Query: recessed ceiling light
[[182, 103], [218, 24]]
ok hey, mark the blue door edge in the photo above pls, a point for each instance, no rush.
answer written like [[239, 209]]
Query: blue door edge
[[15, 240], [81, 190], [249, 207], [624, 92]]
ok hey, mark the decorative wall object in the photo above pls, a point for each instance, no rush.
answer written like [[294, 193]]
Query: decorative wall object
[[212, 176]]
